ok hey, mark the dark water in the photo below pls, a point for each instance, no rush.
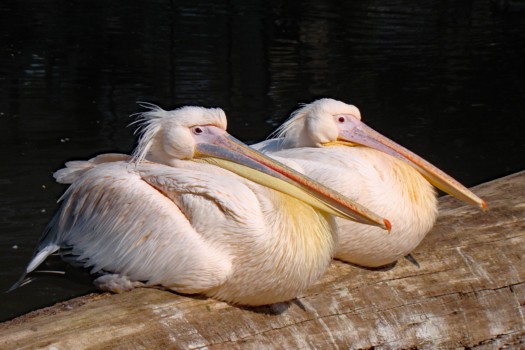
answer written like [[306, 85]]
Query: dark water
[[444, 78]]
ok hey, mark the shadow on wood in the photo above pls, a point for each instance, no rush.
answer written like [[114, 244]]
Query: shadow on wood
[[468, 292]]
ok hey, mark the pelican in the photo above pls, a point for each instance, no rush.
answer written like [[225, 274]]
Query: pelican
[[328, 140], [196, 211]]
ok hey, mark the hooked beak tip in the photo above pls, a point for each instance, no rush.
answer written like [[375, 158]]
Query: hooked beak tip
[[388, 225], [484, 206]]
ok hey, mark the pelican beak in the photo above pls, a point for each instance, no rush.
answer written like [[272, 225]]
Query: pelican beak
[[354, 131], [229, 153]]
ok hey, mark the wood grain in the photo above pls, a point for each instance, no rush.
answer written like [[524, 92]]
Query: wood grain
[[469, 292]]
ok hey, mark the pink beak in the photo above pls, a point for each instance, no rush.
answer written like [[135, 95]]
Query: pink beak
[[355, 131]]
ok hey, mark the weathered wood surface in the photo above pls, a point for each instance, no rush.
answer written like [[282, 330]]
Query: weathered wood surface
[[468, 292]]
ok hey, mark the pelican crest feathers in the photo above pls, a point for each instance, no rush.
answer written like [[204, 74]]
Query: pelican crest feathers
[[156, 119]]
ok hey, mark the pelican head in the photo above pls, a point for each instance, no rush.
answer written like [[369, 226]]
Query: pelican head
[[328, 122], [168, 136], [199, 134]]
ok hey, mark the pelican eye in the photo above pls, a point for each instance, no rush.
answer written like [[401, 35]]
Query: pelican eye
[[341, 119], [197, 130]]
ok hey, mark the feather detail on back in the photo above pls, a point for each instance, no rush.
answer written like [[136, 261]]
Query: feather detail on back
[[76, 168]]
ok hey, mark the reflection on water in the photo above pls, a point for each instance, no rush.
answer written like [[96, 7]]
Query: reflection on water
[[444, 79]]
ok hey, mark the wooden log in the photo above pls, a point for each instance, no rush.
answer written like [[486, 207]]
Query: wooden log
[[468, 292]]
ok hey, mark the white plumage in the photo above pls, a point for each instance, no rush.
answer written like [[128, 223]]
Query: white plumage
[[170, 216], [328, 140]]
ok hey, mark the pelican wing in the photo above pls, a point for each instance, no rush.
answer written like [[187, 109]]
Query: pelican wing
[[210, 198], [112, 220], [269, 146]]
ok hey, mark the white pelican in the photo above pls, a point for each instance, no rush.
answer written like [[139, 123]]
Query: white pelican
[[328, 140], [172, 216]]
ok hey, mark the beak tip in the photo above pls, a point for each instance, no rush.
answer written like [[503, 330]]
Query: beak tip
[[484, 206], [388, 225]]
